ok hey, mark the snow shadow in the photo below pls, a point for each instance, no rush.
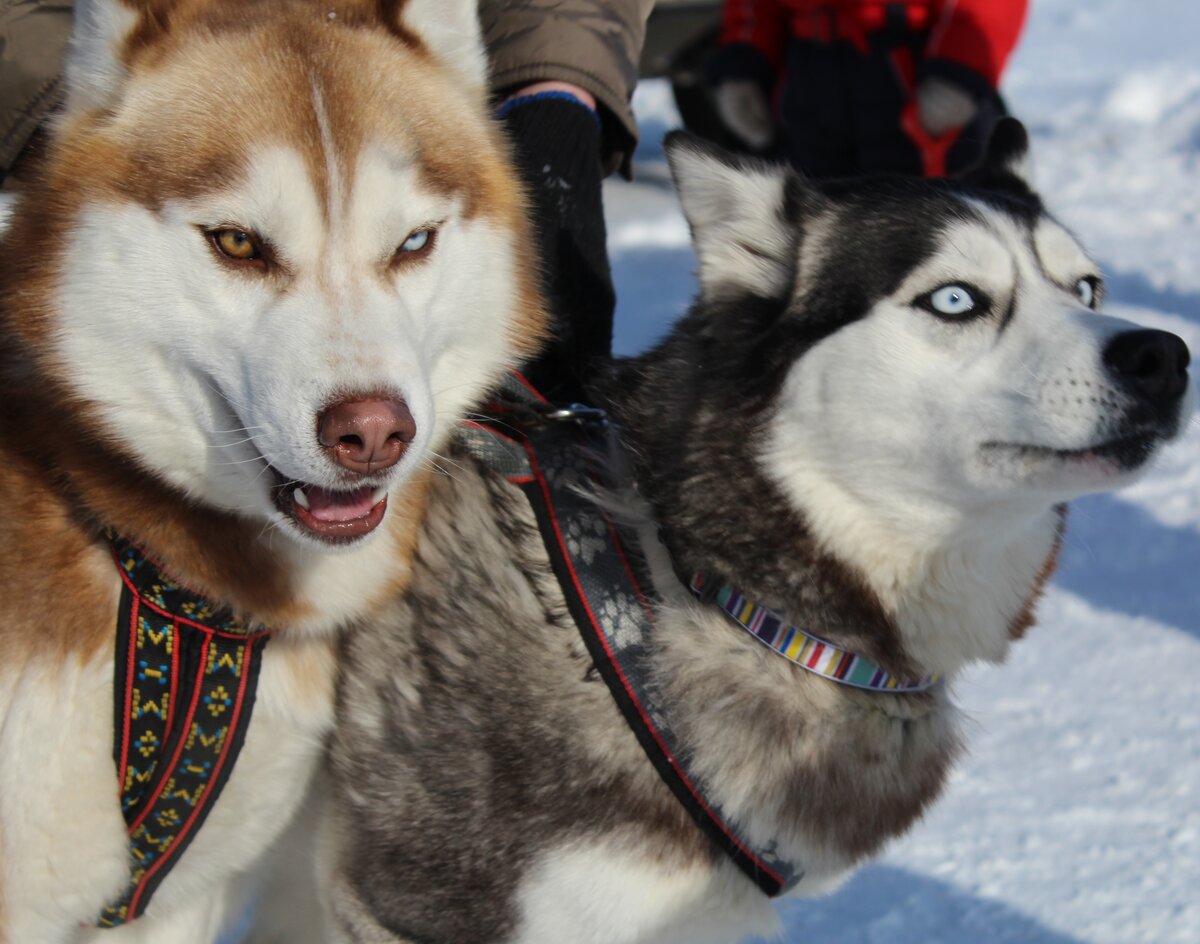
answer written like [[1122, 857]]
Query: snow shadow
[[654, 285], [651, 132], [1133, 288], [1119, 558], [886, 905]]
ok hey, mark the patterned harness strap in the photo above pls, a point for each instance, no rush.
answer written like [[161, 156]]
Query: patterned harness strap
[[556, 457], [184, 684]]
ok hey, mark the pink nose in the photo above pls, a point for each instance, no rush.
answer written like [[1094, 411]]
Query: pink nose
[[366, 435]]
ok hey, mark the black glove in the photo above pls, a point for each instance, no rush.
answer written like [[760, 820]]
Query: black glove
[[557, 149]]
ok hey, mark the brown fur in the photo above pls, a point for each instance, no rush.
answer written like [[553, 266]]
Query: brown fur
[[1027, 618], [178, 146], [192, 147], [65, 477]]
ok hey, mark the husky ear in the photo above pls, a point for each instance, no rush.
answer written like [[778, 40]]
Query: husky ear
[[95, 69], [739, 213], [1007, 155], [447, 28]]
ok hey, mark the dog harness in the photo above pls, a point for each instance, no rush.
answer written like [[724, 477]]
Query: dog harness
[[557, 458], [184, 684]]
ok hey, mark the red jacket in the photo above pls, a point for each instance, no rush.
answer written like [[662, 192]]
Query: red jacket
[[973, 35]]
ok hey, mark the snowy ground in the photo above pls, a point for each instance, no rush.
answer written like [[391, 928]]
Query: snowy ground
[[1076, 817]]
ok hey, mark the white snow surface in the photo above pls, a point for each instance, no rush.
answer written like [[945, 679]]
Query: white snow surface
[[1075, 816]]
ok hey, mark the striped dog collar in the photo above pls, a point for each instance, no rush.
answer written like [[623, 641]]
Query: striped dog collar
[[811, 653]]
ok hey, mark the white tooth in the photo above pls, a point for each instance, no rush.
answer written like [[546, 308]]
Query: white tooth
[[300, 498], [378, 495]]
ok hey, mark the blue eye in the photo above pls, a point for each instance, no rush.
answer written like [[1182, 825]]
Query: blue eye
[[955, 301], [952, 300], [1085, 291], [417, 240]]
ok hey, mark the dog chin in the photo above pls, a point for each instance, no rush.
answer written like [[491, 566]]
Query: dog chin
[[1101, 465]]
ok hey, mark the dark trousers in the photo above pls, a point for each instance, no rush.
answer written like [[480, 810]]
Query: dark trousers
[[841, 112]]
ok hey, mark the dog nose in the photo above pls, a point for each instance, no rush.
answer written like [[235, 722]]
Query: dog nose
[[1151, 364], [366, 435]]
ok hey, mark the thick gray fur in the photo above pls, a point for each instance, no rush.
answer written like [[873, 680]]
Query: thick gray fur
[[475, 737]]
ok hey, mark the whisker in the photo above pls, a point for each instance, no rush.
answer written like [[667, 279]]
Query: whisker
[[430, 464], [238, 429], [270, 525], [457, 465], [460, 386], [230, 445], [224, 396], [265, 469]]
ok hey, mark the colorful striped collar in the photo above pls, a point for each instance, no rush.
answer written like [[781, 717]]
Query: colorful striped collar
[[811, 653]]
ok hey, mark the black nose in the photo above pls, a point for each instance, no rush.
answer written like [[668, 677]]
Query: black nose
[[1150, 364]]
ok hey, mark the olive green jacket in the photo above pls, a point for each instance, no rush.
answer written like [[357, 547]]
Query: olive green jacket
[[595, 44], [33, 34], [592, 43]]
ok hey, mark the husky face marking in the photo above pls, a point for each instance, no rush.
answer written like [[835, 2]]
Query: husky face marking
[[929, 374], [232, 377], [1037, 413]]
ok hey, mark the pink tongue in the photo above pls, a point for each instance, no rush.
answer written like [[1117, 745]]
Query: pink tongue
[[338, 506]]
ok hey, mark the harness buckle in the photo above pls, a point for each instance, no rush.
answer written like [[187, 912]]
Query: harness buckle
[[579, 413]]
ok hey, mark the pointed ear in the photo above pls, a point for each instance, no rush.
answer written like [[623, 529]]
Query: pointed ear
[[1007, 155], [449, 29], [741, 216], [95, 70]]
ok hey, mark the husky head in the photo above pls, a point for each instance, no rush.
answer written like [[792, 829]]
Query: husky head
[[928, 370], [277, 248]]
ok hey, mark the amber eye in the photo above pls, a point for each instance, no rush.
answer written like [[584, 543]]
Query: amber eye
[[237, 244]]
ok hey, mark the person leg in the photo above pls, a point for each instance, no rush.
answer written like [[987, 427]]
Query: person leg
[[815, 109], [881, 91]]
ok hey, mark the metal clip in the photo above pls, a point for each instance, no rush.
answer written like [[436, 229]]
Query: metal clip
[[577, 413]]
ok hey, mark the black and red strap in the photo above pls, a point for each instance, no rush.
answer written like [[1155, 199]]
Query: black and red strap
[[185, 678]]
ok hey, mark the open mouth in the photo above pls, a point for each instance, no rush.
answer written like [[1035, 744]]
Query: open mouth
[[330, 515], [1124, 453]]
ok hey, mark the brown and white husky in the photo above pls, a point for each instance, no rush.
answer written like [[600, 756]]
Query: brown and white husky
[[273, 253]]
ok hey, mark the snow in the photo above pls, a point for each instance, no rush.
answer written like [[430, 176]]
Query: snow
[[1075, 819]]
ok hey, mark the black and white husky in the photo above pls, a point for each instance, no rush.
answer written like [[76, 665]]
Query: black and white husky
[[867, 425]]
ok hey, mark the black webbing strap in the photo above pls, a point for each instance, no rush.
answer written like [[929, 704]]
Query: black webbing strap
[[599, 567], [184, 681]]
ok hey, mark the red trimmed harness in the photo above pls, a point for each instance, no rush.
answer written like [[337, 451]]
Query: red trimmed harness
[[551, 455], [185, 677]]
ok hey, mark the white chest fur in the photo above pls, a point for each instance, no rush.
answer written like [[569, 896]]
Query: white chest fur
[[616, 891], [64, 838]]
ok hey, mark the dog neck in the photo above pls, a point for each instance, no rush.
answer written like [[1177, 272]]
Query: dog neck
[[918, 597], [958, 585], [768, 740]]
